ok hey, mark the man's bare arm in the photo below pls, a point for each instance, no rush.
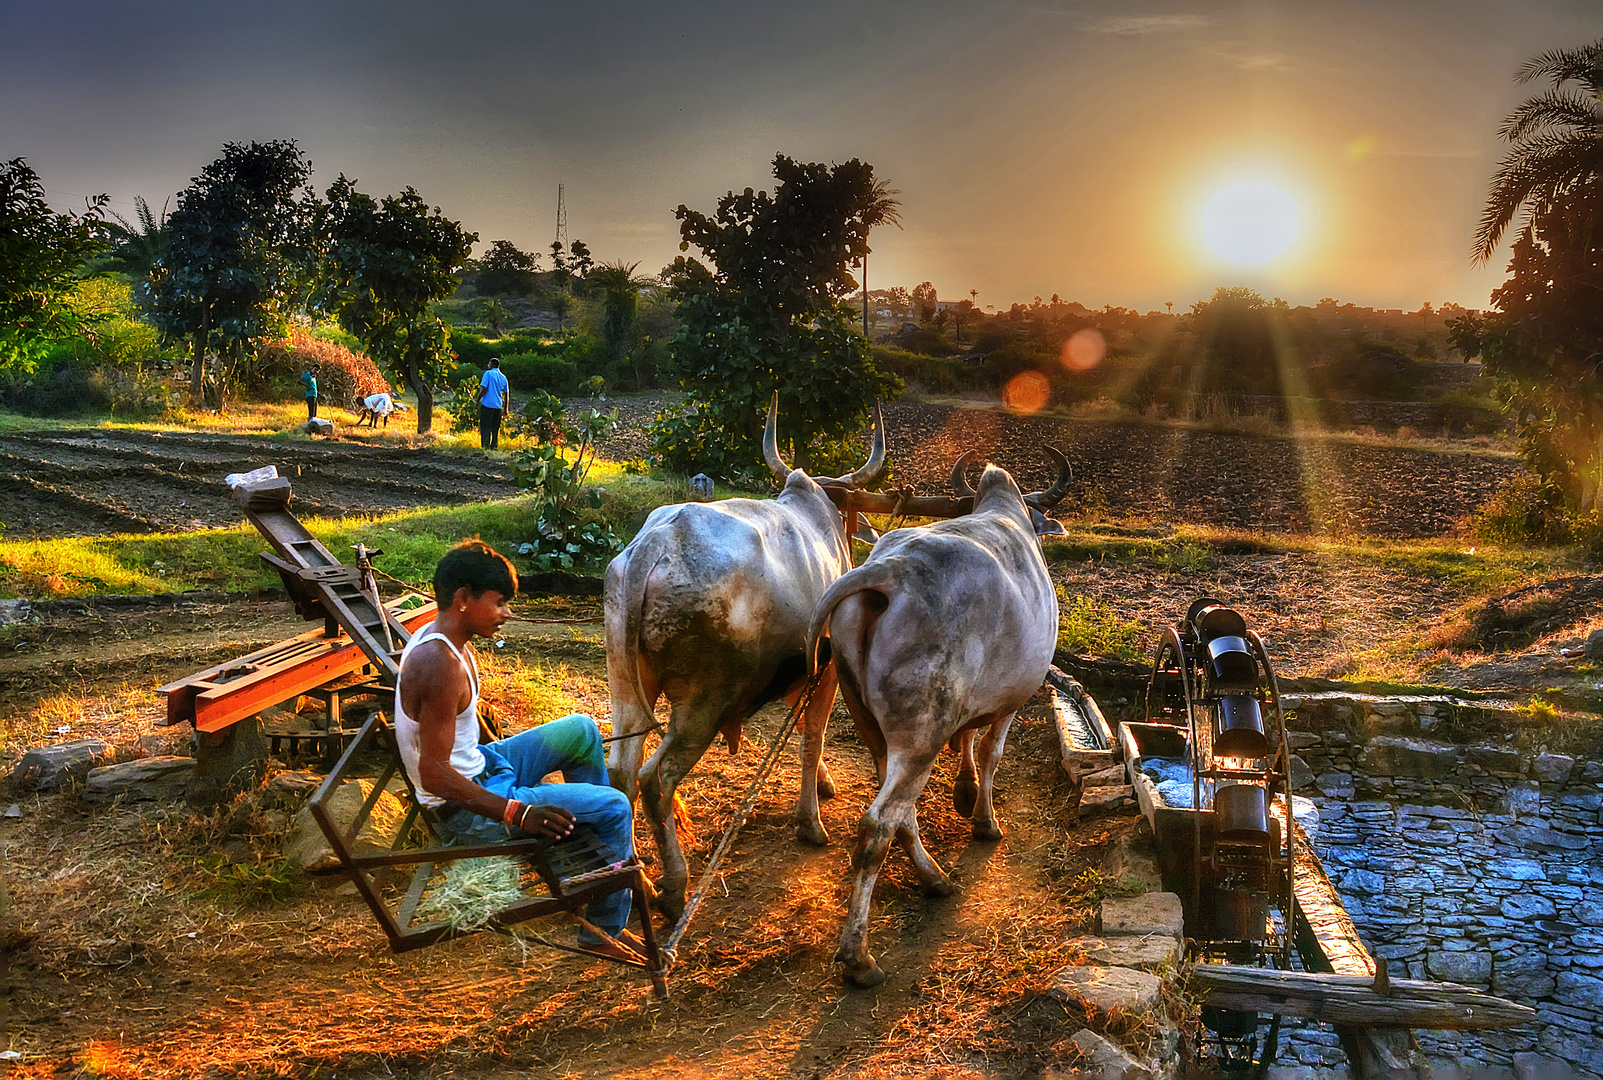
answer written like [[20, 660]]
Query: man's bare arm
[[436, 691]]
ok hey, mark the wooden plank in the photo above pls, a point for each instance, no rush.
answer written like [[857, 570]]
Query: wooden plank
[[1352, 1000]]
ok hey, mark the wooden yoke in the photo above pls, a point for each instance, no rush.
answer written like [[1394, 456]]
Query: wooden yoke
[[850, 500]]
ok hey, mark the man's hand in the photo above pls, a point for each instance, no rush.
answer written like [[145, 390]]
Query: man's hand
[[549, 822]]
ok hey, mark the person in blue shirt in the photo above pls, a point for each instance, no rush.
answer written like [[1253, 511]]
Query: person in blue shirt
[[310, 382], [493, 402]]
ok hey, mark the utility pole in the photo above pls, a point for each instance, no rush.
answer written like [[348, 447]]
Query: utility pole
[[562, 220], [560, 247]]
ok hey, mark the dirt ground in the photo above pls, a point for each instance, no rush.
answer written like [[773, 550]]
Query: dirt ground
[[124, 963]]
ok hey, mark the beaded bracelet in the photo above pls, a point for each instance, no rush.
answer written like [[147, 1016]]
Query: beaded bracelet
[[512, 808]]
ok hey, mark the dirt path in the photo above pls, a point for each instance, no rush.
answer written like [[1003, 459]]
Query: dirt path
[[126, 971]]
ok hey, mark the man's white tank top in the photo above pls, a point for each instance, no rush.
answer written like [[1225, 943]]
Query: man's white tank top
[[466, 758]]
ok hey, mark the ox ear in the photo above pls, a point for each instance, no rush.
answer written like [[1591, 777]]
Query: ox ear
[[865, 532], [1045, 526]]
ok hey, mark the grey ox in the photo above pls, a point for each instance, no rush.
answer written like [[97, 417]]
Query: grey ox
[[941, 635], [709, 605]]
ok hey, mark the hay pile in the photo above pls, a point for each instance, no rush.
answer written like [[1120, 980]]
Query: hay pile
[[473, 891]]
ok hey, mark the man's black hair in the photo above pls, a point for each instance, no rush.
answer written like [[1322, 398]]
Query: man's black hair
[[495, 361], [475, 566]]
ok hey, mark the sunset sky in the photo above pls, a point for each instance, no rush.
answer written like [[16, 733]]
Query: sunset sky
[[1039, 146]]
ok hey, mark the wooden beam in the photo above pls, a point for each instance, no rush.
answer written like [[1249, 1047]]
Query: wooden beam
[[1351, 999], [223, 695]]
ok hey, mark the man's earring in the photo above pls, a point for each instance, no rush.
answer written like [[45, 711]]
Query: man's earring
[[464, 607]]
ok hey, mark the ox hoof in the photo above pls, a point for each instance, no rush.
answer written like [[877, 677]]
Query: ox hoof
[[826, 786], [864, 978], [809, 833], [965, 793], [940, 887], [987, 830]]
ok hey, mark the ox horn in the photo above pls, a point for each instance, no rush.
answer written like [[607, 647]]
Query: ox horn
[[1045, 500], [959, 484], [771, 443], [870, 469]]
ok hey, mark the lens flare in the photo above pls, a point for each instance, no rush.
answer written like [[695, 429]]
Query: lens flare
[[1084, 350], [1027, 392], [1250, 222]]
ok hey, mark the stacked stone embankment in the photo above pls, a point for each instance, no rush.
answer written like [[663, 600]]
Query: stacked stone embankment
[[1464, 861]]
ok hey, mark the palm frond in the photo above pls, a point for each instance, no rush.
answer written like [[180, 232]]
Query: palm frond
[[1555, 108], [1584, 65]]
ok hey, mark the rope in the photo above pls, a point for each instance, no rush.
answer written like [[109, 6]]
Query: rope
[[741, 811]]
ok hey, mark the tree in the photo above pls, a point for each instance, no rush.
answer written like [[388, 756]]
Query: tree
[[40, 254], [136, 248], [620, 307], [495, 315], [1544, 339], [1235, 334], [925, 302], [506, 270], [772, 314], [881, 208], [1555, 149], [386, 262], [238, 254]]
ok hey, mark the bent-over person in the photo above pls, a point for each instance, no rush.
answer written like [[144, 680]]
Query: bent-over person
[[494, 792]]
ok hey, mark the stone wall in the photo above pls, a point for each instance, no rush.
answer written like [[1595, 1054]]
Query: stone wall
[[1470, 863]]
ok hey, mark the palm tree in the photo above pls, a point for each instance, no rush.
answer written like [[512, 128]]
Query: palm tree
[[135, 248], [882, 207], [1555, 143], [620, 305]]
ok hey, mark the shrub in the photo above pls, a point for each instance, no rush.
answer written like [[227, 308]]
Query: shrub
[[937, 374], [341, 373], [1472, 413], [1522, 511], [531, 371]]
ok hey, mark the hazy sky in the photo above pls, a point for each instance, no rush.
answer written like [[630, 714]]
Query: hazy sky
[[1040, 146]]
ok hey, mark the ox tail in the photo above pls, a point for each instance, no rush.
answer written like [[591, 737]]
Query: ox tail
[[623, 625], [874, 576]]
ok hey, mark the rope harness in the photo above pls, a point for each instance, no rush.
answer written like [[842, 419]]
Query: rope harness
[[726, 841]]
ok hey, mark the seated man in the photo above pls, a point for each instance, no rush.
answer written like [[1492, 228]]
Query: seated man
[[494, 792], [374, 406]]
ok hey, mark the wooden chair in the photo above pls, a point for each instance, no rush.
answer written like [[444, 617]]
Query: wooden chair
[[574, 871]]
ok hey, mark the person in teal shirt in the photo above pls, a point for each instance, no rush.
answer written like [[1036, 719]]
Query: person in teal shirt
[[310, 382]]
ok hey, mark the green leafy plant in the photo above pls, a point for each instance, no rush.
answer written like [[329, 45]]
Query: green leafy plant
[[554, 468], [1090, 626]]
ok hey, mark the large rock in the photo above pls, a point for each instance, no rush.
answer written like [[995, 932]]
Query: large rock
[[1147, 951], [1497, 760], [288, 790], [1416, 759], [1541, 838], [1580, 991], [1524, 905], [1104, 990], [228, 761], [1553, 768], [49, 768], [1151, 913], [1301, 774], [1101, 1060], [1470, 968], [1131, 864], [152, 779], [309, 849], [1106, 800], [1524, 975]]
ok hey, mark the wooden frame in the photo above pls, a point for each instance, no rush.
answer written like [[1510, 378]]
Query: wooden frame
[[573, 871]]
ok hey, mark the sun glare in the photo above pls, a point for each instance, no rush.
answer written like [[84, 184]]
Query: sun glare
[[1249, 222]]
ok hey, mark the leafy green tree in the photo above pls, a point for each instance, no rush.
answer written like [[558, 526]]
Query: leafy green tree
[[237, 255], [41, 252], [1555, 143], [772, 314], [619, 291], [925, 301], [386, 261], [1236, 344], [505, 270]]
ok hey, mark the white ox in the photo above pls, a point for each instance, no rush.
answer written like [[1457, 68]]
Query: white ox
[[942, 633], [709, 605]]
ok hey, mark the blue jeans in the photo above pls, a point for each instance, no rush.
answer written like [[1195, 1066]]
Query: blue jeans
[[513, 770]]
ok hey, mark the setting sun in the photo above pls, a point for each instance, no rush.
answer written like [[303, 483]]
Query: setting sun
[[1249, 222]]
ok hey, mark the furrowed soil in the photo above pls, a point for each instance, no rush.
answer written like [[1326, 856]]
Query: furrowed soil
[[155, 941]]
